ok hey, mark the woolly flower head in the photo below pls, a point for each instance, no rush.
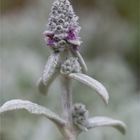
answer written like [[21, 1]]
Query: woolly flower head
[[63, 27], [70, 65]]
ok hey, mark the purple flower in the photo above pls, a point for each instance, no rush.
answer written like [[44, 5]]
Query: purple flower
[[71, 34], [50, 41], [75, 47], [62, 26], [48, 34]]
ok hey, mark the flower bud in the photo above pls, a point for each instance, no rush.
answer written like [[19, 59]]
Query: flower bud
[[71, 65], [80, 116]]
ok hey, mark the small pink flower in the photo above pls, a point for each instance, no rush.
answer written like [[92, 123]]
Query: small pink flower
[[48, 34], [50, 41], [75, 47], [71, 34]]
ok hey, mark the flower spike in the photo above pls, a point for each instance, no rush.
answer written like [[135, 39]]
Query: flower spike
[[63, 27]]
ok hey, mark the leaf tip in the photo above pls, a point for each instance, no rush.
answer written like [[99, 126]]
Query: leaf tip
[[123, 128], [106, 99], [42, 88]]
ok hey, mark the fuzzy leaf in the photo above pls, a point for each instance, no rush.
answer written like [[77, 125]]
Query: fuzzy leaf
[[31, 108], [100, 89], [81, 61], [42, 87], [77, 54], [105, 121], [50, 73]]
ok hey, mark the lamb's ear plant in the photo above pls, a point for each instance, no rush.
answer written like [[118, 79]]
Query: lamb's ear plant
[[62, 38]]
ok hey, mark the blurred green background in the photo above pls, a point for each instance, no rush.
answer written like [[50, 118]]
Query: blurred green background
[[110, 47]]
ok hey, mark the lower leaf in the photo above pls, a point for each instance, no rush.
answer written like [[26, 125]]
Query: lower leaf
[[31, 108], [105, 121]]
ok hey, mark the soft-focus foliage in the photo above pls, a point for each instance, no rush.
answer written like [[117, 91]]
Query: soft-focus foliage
[[110, 41]]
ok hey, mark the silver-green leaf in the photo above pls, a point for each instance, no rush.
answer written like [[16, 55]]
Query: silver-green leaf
[[31, 108], [99, 88], [80, 60], [105, 121], [42, 87], [50, 73]]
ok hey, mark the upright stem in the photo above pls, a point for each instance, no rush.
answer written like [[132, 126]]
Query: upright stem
[[66, 98], [69, 132], [66, 92]]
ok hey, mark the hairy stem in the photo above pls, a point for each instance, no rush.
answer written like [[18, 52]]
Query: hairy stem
[[66, 98], [69, 131]]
